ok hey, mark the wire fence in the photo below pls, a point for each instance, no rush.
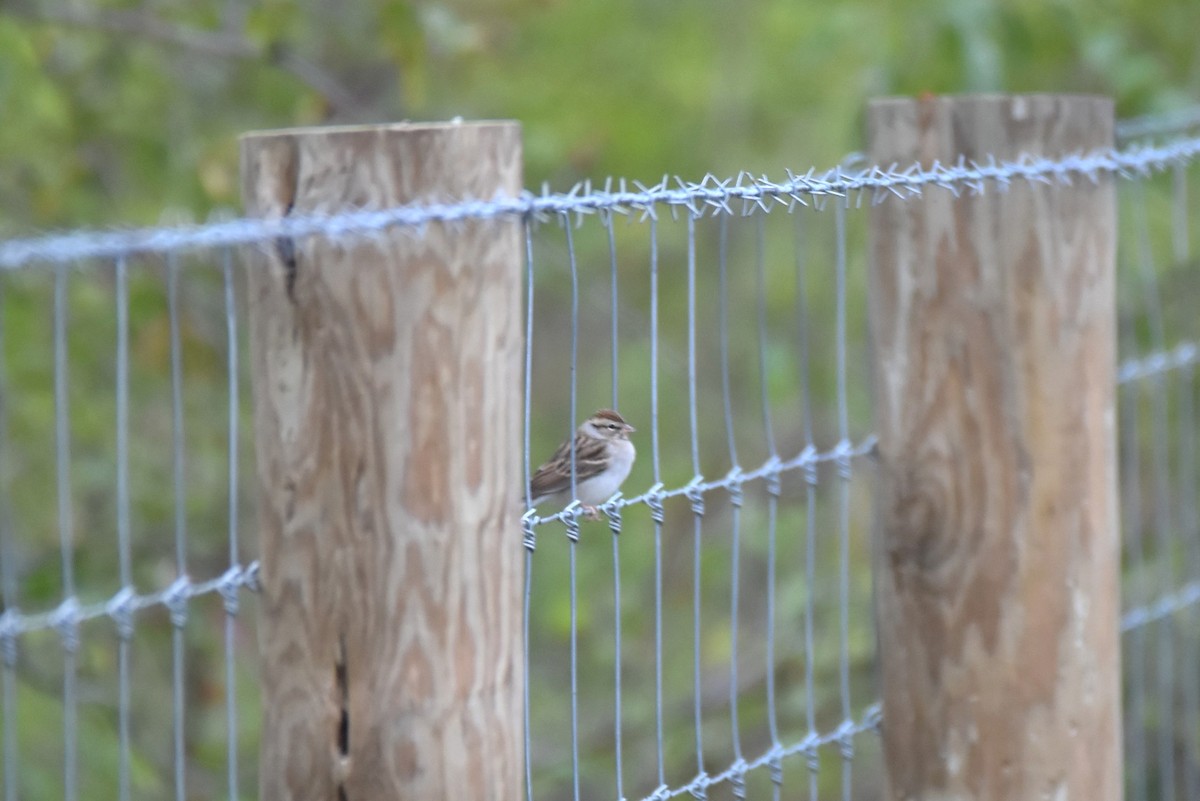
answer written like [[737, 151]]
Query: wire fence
[[711, 636], [1158, 482], [761, 498]]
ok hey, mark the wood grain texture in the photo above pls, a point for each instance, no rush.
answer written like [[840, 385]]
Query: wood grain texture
[[996, 556], [387, 421]]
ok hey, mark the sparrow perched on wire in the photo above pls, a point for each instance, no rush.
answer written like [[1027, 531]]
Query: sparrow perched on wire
[[603, 458]]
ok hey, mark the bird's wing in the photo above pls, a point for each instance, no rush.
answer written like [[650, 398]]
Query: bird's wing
[[591, 457]]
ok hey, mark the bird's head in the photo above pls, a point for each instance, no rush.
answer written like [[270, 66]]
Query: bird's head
[[607, 424]]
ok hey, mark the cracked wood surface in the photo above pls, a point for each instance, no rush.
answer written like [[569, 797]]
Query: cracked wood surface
[[386, 376], [996, 551]]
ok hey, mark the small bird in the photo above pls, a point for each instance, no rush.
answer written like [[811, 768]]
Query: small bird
[[603, 458]]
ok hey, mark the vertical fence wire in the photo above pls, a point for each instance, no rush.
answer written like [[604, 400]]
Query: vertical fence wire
[[1160, 483], [773, 493], [529, 541], [68, 626], [614, 306], [614, 515], [656, 509], [697, 500], [231, 593], [723, 321], [124, 528], [572, 522], [8, 574], [178, 603], [1189, 515], [810, 507], [1189, 526], [1135, 654], [734, 468], [735, 493], [844, 475]]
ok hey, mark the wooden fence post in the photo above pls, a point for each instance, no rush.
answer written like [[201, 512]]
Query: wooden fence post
[[993, 331], [387, 420]]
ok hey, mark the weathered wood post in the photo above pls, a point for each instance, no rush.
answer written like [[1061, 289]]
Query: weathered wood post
[[387, 397], [996, 559]]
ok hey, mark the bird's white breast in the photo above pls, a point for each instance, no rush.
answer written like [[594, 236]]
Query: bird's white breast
[[599, 488]]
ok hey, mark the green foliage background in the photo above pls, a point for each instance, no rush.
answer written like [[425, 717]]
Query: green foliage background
[[128, 113]]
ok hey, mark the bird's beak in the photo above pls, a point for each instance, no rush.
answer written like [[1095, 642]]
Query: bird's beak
[[629, 429]]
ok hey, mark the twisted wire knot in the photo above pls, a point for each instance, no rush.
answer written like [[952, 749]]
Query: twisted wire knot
[[775, 766], [661, 793], [845, 739], [120, 609], [734, 485], [654, 499], [809, 748], [529, 522], [844, 450], [698, 788], [737, 779], [570, 518], [176, 600], [772, 478], [695, 494], [612, 510], [8, 638], [808, 458], [230, 586], [66, 622]]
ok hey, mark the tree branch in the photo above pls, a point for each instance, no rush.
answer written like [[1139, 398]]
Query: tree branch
[[215, 44]]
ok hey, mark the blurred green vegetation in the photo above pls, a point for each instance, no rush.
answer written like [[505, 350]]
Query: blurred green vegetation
[[128, 113]]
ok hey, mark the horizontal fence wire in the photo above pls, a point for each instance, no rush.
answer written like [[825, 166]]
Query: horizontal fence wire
[[733, 481], [729, 530], [1154, 364], [1163, 607], [68, 616], [842, 738], [1172, 122]]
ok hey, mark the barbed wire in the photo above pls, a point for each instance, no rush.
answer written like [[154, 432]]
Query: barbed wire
[[709, 195]]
